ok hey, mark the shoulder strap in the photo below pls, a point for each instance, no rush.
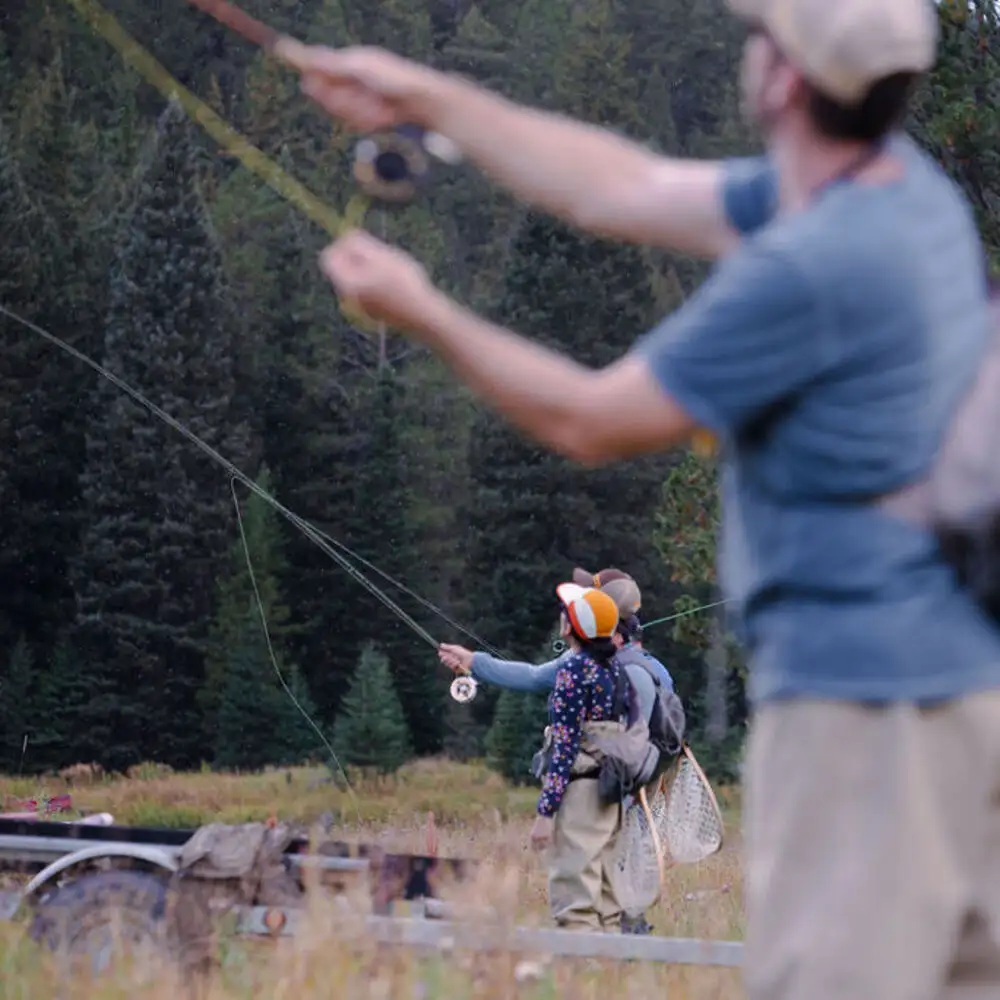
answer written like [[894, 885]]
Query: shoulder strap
[[632, 656], [623, 693], [961, 490]]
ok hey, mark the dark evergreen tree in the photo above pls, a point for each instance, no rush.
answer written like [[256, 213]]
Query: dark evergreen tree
[[956, 114], [533, 515], [295, 726], [40, 391], [71, 711], [518, 727], [382, 533], [257, 724], [17, 707], [237, 596], [158, 512], [464, 733], [516, 734], [370, 731]]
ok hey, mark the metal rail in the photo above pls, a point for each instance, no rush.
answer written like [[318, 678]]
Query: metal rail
[[28, 849], [442, 935], [408, 924]]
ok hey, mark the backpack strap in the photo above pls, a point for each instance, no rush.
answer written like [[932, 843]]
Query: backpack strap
[[631, 656], [624, 694]]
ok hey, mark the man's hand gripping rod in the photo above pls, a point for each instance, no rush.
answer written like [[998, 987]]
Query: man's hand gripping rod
[[389, 166]]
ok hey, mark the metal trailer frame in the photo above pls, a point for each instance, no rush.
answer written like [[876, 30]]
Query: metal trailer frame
[[58, 848]]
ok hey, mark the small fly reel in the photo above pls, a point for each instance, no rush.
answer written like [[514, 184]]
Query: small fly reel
[[463, 689], [391, 166]]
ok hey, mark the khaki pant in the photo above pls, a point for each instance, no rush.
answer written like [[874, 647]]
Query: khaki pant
[[580, 894], [873, 852]]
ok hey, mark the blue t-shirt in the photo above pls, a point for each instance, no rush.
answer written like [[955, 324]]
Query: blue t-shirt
[[828, 352]]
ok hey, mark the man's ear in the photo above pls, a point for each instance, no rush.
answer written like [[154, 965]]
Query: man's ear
[[786, 86]]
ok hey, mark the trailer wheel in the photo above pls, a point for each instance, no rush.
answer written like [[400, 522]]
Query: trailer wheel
[[106, 917]]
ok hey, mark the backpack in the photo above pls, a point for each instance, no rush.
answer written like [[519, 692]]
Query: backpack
[[647, 748], [959, 499], [667, 720]]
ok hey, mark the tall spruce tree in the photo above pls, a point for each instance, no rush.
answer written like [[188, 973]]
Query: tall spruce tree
[[256, 723], [370, 731], [70, 711], [516, 734], [534, 515], [518, 726], [382, 533], [18, 706], [40, 400], [157, 511], [237, 596]]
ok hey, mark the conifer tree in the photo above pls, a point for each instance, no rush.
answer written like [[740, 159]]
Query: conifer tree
[[257, 723], [516, 734], [158, 512], [40, 392], [956, 113], [370, 732], [299, 740], [382, 532], [17, 706], [518, 727], [533, 515], [237, 596], [71, 711]]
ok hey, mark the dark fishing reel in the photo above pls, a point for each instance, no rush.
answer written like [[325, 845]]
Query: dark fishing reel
[[392, 166]]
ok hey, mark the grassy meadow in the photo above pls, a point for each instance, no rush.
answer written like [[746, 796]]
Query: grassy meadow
[[476, 815]]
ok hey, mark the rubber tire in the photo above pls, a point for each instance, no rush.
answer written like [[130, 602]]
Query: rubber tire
[[133, 902]]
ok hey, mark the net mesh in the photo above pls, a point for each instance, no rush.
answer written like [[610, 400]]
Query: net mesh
[[690, 826], [686, 828], [635, 862]]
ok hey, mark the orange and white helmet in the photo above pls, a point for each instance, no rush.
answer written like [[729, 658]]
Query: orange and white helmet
[[592, 614]]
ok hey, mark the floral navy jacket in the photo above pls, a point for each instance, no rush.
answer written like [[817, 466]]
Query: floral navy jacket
[[584, 692]]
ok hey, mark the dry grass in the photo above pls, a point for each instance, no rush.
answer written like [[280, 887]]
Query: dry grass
[[477, 816]]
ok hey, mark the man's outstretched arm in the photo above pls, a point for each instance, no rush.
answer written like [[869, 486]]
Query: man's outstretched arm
[[752, 336], [592, 417], [586, 175]]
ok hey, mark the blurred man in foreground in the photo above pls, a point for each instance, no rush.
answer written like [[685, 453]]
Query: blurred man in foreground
[[845, 316]]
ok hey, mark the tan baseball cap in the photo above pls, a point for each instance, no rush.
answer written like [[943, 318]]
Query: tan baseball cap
[[843, 47], [617, 584]]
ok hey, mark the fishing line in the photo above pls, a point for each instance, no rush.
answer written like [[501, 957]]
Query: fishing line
[[684, 614], [301, 197], [322, 540], [274, 659], [430, 605]]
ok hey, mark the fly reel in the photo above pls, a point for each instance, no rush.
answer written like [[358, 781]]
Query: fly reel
[[463, 689], [391, 166]]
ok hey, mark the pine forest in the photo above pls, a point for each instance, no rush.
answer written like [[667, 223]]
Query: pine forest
[[137, 575]]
